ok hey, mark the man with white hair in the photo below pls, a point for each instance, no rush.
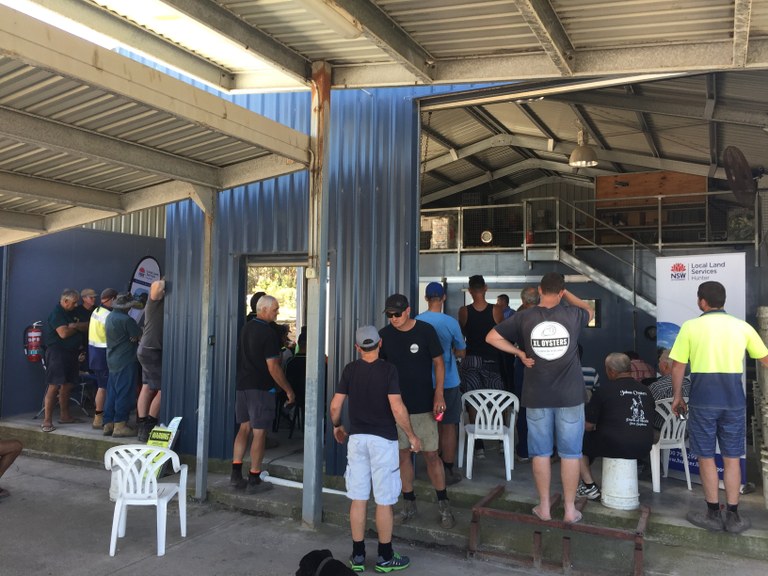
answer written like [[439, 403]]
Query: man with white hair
[[259, 373]]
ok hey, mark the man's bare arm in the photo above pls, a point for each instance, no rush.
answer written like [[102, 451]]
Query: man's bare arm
[[276, 371], [574, 300], [498, 341]]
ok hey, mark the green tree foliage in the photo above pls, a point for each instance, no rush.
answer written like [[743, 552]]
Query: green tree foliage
[[277, 281]]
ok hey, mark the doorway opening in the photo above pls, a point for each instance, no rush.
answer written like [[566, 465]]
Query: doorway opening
[[284, 282]]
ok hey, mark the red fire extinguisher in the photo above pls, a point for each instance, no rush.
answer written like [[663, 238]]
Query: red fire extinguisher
[[33, 342]]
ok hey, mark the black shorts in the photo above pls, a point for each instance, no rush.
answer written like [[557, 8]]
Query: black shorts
[[257, 407], [61, 366], [151, 360]]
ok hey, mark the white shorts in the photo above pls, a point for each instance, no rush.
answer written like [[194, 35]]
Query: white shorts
[[373, 459]]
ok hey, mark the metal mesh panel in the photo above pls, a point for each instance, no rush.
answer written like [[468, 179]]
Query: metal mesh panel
[[493, 227]]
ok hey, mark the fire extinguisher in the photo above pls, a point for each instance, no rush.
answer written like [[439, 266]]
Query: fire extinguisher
[[33, 342]]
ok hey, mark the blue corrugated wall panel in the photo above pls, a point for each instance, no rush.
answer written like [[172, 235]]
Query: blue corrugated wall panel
[[374, 210]]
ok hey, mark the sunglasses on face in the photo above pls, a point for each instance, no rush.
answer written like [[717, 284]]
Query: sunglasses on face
[[394, 314]]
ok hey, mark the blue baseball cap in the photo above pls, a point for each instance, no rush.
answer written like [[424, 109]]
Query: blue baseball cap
[[434, 290]]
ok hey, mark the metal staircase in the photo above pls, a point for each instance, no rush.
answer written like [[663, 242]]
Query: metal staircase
[[626, 269]]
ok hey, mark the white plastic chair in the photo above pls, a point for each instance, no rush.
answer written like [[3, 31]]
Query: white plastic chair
[[489, 424], [672, 436], [137, 467]]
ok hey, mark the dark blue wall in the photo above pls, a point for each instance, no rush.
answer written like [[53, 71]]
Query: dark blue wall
[[38, 271]]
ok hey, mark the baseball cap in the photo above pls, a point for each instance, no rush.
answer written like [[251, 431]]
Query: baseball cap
[[108, 293], [434, 290], [367, 336], [87, 292], [476, 281], [396, 303]]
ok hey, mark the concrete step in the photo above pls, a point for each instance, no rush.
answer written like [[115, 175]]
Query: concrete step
[[667, 530]]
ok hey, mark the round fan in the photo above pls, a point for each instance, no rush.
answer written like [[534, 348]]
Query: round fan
[[740, 177]]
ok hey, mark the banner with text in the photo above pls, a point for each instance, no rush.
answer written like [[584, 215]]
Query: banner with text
[[677, 280]]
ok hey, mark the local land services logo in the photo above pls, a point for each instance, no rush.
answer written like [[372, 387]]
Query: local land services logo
[[550, 340], [678, 271]]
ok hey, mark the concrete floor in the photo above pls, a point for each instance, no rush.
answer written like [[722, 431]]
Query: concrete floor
[[63, 511]]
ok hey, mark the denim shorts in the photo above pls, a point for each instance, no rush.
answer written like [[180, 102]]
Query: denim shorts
[[547, 424], [728, 427], [373, 460]]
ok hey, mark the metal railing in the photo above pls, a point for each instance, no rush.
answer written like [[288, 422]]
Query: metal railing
[[638, 226]]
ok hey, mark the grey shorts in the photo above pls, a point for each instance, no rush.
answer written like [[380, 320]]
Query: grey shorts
[[256, 407], [151, 360], [425, 427]]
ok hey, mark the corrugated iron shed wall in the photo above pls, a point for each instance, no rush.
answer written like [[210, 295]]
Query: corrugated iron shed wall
[[373, 187]]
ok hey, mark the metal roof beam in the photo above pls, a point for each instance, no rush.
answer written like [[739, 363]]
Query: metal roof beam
[[537, 183], [251, 38], [60, 193], [63, 138], [262, 168], [545, 25], [388, 36], [742, 14], [534, 118], [28, 40], [709, 109], [528, 164], [666, 107], [22, 222], [565, 148], [642, 121], [141, 41]]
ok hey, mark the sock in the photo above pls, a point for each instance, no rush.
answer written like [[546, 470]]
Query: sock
[[139, 420], [713, 506], [237, 467], [442, 494], [732, 507], [385, 551], [409, 496], [358, 548], [253, 476], [588, 485], [99, 412]]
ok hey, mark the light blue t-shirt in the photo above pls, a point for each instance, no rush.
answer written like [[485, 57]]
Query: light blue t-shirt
[[449, 333]]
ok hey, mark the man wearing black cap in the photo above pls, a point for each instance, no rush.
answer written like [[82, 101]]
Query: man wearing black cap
[[413, 346], [375, 406], [449, 333], [97, 352]]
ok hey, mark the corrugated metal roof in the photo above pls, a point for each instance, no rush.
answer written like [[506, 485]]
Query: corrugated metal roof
[[98, 134]]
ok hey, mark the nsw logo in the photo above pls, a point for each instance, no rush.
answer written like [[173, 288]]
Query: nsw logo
[[678, 271]]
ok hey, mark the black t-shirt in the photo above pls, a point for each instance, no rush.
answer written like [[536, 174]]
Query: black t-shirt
[[51, 338], [549, 336], [412, 353], [623, 412], [258, 343], [367, 386]]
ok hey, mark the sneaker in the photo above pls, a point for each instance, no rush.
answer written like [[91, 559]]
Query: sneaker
[[452, 477], [589, 492], [258, 487], [710, 520], [447, 520], [522, 459], [357, 563], [735, 524], [397, 562], [407, 512], [480, 454]]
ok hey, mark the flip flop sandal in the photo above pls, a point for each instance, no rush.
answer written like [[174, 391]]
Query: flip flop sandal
[[47, 428], [577, 519], [537, 513]]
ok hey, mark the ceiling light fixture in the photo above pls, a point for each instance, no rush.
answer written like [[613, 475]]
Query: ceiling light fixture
[[333, 16], [583, 156]]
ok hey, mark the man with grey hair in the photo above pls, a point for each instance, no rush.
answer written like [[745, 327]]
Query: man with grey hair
[[661, 389], [617, 422], [259, 374], [62, 336]]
